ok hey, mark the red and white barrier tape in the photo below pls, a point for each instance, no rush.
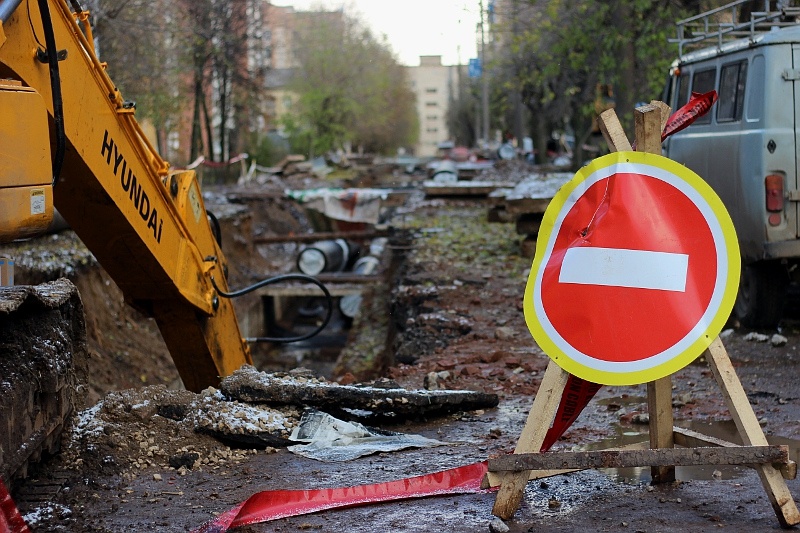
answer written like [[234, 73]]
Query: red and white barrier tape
[[10, 519], [275, 504], [697, 106], [575, 397]]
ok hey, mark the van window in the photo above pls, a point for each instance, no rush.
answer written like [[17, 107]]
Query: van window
[[755, 100], [683, 89], [731, 91], [703, 82]]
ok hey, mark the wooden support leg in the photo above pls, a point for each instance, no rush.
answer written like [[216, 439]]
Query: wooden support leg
[[541, 416], [659, 406], [751, 432]]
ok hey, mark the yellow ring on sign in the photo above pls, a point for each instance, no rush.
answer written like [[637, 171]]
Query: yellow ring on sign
[[709, 325]]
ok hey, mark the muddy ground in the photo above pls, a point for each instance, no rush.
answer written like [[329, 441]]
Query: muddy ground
[[453, 307]]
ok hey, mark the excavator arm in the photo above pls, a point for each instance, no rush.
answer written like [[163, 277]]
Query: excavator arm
[[146, 226]]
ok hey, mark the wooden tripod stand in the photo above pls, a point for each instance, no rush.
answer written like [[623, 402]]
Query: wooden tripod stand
[[512, 472]]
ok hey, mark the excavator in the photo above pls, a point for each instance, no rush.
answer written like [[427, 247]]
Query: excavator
[[70, 142]]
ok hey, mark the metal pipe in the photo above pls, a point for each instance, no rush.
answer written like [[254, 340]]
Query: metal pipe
[[7, 7]]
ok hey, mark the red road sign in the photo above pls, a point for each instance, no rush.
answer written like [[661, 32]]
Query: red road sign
[[635, 273]]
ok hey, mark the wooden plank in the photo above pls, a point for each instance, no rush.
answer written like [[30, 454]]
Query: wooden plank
[[539, 419], [283, 291], [320, 236], [350, 278], [750, 430], [493, 479], [463, 188], [665, 112], [694, 439], [612, 131], [738, 455], [521, 206], [647, 122]]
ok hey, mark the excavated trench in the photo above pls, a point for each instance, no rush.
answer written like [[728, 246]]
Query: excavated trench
[[358, 337]]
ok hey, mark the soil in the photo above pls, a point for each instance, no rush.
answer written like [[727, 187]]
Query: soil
[[134, 460]]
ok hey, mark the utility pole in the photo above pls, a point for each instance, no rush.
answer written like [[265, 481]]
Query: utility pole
[[516, 97], [485, 82]]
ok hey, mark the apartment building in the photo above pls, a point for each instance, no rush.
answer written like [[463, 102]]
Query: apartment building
[[432, 83]]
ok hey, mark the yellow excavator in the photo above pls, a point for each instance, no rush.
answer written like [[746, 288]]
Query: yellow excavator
[[68, 139]]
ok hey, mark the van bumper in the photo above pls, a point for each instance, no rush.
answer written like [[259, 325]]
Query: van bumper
[[782, 250]]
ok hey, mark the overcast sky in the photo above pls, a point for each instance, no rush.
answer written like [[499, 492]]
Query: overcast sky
[[413, 27]]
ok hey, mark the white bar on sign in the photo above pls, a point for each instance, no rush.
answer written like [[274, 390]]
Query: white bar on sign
[[617, 267]]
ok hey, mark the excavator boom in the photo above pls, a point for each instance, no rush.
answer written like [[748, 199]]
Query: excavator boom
[[146, 226]]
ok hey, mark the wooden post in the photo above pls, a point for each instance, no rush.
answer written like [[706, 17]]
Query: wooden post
[[541, 416], [647, 121]]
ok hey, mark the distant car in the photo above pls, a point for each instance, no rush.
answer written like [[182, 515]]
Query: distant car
[[747, 149]]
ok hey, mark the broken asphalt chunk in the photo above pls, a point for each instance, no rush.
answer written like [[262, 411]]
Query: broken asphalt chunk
[[249, 385]]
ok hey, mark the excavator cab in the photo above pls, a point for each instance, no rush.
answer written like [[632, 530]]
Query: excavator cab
[[26, 175]]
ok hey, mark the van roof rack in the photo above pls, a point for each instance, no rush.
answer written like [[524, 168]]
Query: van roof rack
[[723, 23]]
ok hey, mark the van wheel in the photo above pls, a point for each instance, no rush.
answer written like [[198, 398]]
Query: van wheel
[[762, 295]]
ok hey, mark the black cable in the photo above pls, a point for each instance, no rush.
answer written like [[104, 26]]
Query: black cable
[[216, 229], [55, 86], [279, 279]]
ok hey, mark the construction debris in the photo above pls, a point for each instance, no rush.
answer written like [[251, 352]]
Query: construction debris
[[326, 438], [249, 385]]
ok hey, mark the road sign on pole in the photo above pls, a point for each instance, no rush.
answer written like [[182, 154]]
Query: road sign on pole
[[636, 270], [474, 68]]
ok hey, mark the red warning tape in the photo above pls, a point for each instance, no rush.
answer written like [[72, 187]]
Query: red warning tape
[[10, 519], [697, 106], [575, 397], [275, 504]]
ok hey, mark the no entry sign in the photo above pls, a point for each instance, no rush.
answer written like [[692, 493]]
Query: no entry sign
[[636, 270]]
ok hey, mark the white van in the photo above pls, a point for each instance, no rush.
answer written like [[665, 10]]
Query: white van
[[747, 147]]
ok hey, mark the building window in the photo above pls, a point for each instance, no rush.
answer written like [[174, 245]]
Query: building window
[[432, 117], [431, 90], [431, 104], [432, 130]]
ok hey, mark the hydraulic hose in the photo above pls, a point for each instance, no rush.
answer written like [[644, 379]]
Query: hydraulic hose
[[55, 86], [279, 279], [7, 7]]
